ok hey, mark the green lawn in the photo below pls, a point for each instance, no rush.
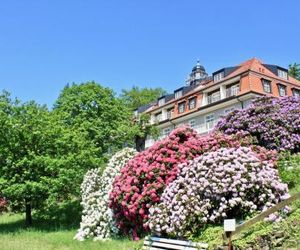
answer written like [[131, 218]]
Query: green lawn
[[14, 236]]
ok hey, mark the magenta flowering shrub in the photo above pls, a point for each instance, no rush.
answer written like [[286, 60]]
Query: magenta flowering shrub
[[143, 179], [274, 122], [227, 183]]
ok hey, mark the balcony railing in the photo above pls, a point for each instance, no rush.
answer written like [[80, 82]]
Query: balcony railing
[[232, 91], [213, 98]]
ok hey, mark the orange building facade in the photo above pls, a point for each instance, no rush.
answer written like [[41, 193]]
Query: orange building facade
[[205, 99]]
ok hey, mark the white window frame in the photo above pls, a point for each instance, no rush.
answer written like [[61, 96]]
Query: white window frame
[[219, 76], [182, 104], [194, 99], [166, 131], [282, 88], [169, 113], [192, 123], [282, 74], [178, 94], [296, 93], [267, 85], [161, 101], [210, 121], [228, 110], [214, 97]]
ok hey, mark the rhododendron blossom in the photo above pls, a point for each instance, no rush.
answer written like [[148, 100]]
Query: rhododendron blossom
[[226, 183], [144, 178], [275, 122], [97, 218]]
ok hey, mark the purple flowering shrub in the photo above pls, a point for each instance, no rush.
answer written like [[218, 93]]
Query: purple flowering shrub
[[226, 183], [274, 122]]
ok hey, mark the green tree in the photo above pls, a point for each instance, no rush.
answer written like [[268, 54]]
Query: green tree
[[294, 70], [136, 97], [22, 141], [42, 161], [94, 110], [140, 127]]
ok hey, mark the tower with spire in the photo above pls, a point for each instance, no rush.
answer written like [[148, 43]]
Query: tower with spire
[[198, 73]]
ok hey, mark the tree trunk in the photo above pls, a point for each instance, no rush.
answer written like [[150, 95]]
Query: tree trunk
[[140, 143], [28, 220]]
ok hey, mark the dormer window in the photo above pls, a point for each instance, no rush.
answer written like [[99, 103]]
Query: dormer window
[[281, 90], [282, 73], [161, 101], [218, 76], [178, 94]]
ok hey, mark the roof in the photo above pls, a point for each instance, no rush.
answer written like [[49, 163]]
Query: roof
[[252, 64]]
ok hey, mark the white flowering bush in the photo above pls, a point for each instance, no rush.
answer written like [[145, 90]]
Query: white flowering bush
[[97, 217], [227, 183]]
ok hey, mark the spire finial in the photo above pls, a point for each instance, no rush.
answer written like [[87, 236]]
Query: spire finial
[[198, 62]]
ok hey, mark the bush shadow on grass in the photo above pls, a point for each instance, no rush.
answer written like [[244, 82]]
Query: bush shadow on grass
[[58, 218]]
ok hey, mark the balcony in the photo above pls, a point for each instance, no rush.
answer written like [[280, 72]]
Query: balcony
[[232, 91], [213, 98]]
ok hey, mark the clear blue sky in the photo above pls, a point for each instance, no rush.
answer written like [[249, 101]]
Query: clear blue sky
[[47, 44]]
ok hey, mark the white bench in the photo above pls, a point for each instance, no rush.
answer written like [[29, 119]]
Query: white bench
[[156, 243]]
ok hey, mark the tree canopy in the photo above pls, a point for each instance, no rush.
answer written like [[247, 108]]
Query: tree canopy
[[42, 160], [96, 111], [294, 70], [136, 97]]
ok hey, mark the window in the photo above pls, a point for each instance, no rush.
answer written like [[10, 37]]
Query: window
[[192, 123], [135, 113], [169, 113], [232, 90], [166, 132], [296, 92], [266, 85], [210, 121], [281, 90], [282, 74], [181, 107], [178, 94], [213, 97], [158, 117], [192, 103], [161, 101], [219, 76], [228, 110]]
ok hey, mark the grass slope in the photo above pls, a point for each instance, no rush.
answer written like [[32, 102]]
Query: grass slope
[[14, 236]]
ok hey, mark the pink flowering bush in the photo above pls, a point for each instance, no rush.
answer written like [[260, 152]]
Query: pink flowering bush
[[274, 122], [226, 183], [143, 179]]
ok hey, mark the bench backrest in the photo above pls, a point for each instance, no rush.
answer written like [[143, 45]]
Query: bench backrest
[[156, 243]]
